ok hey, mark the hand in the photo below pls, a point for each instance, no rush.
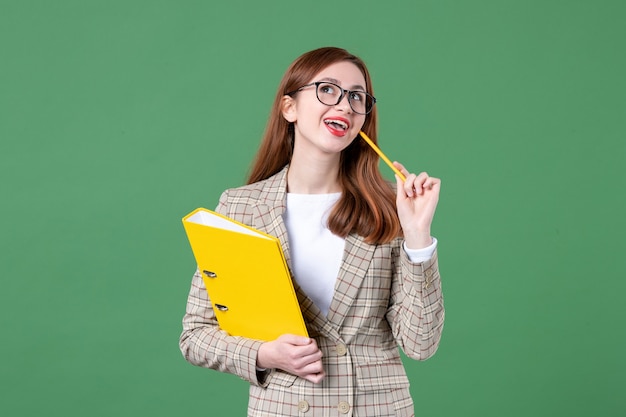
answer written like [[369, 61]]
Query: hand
[[416, 201], [294, 354]]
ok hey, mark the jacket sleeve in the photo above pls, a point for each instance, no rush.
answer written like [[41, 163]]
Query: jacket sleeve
[[202, 343], [416, 312]]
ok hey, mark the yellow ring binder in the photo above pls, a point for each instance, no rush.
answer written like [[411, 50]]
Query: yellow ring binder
[[246, 277]]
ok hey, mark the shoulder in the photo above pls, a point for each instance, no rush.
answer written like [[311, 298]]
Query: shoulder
[[245, 192], [267, 191]]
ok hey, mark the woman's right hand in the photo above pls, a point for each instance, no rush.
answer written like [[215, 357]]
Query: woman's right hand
[[297, 355]]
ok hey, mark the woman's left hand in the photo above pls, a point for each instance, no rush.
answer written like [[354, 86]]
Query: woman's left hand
[[416, 201]]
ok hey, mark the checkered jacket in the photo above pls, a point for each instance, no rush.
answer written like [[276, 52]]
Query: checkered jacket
[[381, 301]]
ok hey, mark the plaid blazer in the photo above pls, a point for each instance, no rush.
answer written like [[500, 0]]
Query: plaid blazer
[[381, 301]]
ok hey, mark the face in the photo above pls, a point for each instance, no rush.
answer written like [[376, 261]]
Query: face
[[321, 128]]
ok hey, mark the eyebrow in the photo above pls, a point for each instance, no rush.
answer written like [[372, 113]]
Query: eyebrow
[[356, 87]]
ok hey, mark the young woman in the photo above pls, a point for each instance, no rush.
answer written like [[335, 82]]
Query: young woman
[[359, 249]]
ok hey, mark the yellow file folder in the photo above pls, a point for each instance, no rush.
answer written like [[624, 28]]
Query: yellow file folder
[[246, 277]]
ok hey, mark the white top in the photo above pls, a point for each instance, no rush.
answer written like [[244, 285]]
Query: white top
[[316, 253]]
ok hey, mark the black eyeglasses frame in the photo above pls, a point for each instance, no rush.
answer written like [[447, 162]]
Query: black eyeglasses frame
[[341, 96]]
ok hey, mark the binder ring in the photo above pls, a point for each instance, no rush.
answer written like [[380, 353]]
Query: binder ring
[[221, 307], [210, 274]]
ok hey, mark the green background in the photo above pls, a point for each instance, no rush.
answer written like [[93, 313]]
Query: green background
[[119, 117]]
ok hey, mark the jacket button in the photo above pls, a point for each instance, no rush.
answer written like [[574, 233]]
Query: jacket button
[[343, 407], [341, 349], [303, 406]]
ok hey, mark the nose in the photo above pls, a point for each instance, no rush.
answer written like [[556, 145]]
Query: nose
[[344, 103]]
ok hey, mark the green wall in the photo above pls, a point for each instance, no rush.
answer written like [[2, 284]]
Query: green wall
[[119, 117]]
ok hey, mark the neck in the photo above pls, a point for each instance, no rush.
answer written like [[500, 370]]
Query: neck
[[310, 174]]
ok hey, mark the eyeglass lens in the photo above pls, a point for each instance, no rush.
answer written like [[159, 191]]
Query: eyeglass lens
[[331, 94]]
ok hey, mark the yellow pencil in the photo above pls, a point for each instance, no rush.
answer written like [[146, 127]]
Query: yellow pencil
[[382, 155]]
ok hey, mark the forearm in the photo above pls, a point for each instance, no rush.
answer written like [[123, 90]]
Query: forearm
[[417, 312]]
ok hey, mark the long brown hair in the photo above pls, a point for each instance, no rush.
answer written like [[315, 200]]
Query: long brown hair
[[367, 204]]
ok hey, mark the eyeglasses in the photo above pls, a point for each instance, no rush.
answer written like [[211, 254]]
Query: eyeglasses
[[331, 94]]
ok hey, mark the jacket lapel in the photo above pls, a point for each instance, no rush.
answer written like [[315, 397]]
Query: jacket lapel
[[268, 211], [354, 266], [268, 216]]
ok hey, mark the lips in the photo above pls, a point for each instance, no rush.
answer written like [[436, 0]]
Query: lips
[[338, 126]]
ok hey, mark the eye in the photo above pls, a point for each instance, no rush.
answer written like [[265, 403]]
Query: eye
[[330, 89], [357, 96]]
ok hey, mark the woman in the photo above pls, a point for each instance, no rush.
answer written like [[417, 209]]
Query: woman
[[361, 255]]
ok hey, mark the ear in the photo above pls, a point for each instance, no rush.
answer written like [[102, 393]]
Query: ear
[[288, 108]]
